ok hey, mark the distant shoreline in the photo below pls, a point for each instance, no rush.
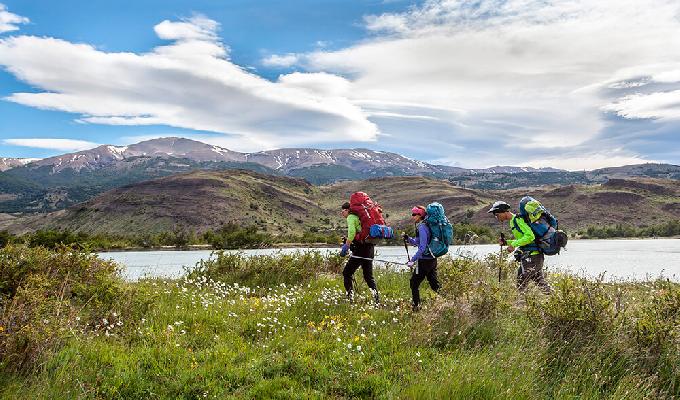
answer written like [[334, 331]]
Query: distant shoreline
[[320, 245]]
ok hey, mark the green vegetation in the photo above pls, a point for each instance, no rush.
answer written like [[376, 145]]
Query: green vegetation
[[279, 327], [230, 236], [666, 229], [235, 236]]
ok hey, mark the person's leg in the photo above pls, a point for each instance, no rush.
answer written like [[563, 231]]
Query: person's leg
[[347, 273], [368, 251], [432, 277], [367, 269], [537, 275], [522, 276], [416, 280]]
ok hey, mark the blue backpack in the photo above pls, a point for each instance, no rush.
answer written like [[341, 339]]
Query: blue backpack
[[549, 238], [441, 231]]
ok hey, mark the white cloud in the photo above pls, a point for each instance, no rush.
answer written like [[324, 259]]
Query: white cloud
[[658, 105], [589, 162], [52, 144], [189, 83], [9, 21], [651, 92], [317, 83], [284, 61], [195, 28], [536, 68]]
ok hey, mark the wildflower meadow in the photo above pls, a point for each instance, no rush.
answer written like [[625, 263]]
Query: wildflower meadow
[[280, 327]]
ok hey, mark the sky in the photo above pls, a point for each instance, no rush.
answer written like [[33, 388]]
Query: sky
[[571, 84]]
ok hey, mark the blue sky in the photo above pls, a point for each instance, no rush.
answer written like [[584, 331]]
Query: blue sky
[[474, 84]]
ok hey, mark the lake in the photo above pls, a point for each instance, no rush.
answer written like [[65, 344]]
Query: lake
[[639, 259]]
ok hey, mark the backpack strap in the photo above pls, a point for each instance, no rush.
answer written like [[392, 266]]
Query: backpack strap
[[528, 247], [428, 242]]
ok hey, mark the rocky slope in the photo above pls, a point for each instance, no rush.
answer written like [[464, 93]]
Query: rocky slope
[[9, 163]]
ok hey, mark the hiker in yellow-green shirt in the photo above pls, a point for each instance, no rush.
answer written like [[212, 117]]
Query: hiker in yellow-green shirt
[[530, 256], [362, 256]]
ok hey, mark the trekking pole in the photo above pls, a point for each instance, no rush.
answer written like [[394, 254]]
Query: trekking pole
[[377, 259], [500, 257], [406, 247]]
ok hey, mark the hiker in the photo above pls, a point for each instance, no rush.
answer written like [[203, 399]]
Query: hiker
[[362, 255], [423, 260], [525, 247]]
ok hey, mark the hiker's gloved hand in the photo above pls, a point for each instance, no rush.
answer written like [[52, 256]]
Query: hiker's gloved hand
[[510, 248], [344, 250], [411, 264]]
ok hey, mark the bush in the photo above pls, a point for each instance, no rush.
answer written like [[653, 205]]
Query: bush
[[234, 236], [53, 238], [45, 296], [578, 308], [266, 270], [469, 307], [657, 334], [666, 229], [6, 238], [467, 233]]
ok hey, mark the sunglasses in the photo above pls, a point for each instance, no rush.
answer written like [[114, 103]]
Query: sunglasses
[[414, 214]]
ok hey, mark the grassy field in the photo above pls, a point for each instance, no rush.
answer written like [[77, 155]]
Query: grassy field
[[280, 327]]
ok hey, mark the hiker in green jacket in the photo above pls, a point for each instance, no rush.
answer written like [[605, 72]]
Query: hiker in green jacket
[[525, 248], [362, 256]]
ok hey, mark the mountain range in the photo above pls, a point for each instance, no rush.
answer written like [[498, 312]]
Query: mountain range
[[29, 186], [9, 163]]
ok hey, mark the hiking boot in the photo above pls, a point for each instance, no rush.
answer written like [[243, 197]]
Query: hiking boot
[[350, 296], [415, 307], [376, 297]]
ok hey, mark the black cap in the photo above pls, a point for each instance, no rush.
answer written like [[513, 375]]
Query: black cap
[[345, 206]]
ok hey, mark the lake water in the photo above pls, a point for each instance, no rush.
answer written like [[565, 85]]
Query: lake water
[[617, 259]]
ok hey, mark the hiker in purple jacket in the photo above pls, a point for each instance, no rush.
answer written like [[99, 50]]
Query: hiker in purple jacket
[[424, 262]]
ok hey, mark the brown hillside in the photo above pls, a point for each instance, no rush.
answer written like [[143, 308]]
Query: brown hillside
[[199, 200], [636, 202], [205, 200]]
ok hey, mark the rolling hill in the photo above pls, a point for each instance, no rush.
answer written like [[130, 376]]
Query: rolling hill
[[203, 200]]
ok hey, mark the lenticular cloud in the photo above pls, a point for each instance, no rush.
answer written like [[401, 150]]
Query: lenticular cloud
[[189, 83]]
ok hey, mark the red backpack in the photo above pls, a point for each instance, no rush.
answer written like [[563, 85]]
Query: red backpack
[[369, 213]]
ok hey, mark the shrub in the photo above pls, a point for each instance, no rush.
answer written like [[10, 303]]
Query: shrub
[[6, 238], [234, 236], [266, 270], [468, 310], [577, 309], [45, 296], [657, 335]]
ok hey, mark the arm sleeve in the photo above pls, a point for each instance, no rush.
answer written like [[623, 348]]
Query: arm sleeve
[[528, 236], [351, 227], [423, 239], [413, 241]]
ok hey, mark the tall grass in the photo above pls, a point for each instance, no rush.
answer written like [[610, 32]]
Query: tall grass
[[280, 327]]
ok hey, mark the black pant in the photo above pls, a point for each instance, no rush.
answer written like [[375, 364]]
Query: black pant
[[426, 268], [364, 251]]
